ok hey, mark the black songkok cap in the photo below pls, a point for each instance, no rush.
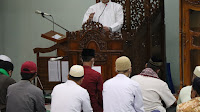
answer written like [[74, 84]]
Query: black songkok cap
[[88, 52], [156, 61]]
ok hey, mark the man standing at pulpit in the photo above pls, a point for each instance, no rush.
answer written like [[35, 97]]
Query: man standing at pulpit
[[109, 14], [92, 81]]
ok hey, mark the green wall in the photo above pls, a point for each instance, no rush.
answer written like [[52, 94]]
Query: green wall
[[172, 38], [21, 28], [1, 28]]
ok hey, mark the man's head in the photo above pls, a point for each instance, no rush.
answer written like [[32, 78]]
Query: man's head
[[196, 72], [4, 58], [123, 65], [7, 66], [105, 1], [28, 70], [88, 56], [154, 63], [195, 88], [76, 74]]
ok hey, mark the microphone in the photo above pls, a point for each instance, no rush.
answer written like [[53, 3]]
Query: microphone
[[102, 12], [42, 13], [55, 59]]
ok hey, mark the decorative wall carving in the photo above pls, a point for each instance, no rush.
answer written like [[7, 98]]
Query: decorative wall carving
[[193, 2], [137, 9], [102, 57], [93, 36], [154, 6], [99, 57], [91, 25]]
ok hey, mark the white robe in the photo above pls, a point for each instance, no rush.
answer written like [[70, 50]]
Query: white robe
[[112, 16], [154, 90], [121, 94], [185, 94], [70, 97]]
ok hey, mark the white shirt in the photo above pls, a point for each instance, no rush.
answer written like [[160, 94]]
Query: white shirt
[[154, 90], [70, 97], [184, 95], [121, 94], [112, 16]]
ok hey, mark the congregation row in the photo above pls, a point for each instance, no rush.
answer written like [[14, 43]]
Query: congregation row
[[85, 90]]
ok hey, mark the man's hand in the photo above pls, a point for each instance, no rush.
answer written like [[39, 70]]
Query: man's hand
[[106, 29], [91, 16]]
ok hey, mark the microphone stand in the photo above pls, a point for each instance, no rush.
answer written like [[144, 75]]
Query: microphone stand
[[54, 22], [41, 85]]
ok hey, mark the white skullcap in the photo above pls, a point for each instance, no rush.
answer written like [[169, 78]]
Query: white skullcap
[[123, 63], [5, 58], [197, 71], [76, 71]]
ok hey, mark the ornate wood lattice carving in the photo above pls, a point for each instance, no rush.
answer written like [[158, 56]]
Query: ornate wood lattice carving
[[137, 13], [93, 36], [154, 6], [91, 25], [101, 57], [74, 35]]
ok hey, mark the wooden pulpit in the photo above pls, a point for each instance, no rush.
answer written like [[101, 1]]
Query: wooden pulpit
[[143, 35], [108, 47]]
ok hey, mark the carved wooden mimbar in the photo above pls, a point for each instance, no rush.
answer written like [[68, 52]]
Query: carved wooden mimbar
[[142, 35]]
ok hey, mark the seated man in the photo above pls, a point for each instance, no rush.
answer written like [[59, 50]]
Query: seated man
[[194, 104], [154, 90], [185, 93], [23, 96], [108, 13], [120, 93], [6, 69], [70, 96]]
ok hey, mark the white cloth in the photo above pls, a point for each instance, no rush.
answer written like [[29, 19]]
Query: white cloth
[[121, 94], [112, 15], [70, 97], [154, 90], [184, 95]]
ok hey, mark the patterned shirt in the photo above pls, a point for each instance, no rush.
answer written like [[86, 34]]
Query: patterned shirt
[[190, 106]]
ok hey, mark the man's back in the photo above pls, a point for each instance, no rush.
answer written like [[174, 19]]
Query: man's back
[[70, 97], [93, 83], [5, 81], [25, 97], [120, 94], [154, 90]]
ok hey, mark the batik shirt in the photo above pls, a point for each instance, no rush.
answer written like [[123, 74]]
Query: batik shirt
[[190, 106]]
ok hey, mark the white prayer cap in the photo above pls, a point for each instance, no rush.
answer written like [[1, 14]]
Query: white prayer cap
[[197, 71], [5, 58], [122, 63], [76, 71]]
